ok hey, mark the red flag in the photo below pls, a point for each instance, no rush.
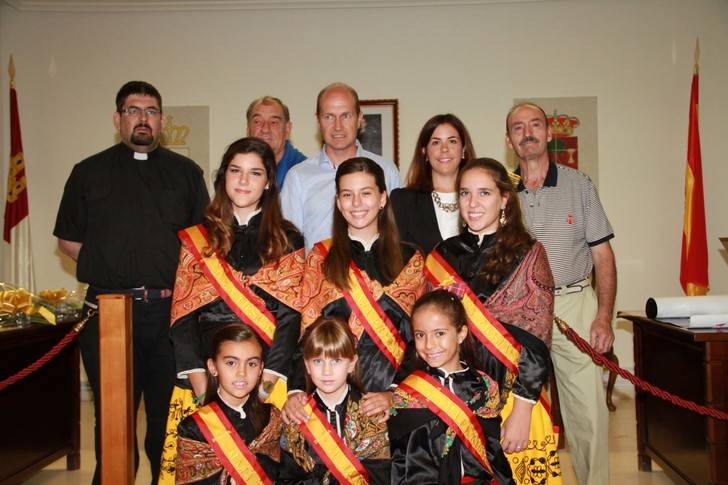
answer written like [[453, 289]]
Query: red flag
[[18, 268], [16, 202], [694, 259]]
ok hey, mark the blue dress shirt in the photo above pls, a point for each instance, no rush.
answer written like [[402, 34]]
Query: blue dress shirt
[[307, 198]]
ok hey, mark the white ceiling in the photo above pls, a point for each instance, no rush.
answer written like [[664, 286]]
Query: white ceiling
[[187, 5]]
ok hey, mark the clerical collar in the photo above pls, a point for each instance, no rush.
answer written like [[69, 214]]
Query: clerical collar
[[247, 219], [367, 244], [238, 409], [141, 156]]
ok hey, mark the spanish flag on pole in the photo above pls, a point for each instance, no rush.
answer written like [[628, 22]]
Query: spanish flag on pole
[[16, 232], [694, 259]]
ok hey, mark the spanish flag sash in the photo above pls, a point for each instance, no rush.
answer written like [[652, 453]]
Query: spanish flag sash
[[371, 315], [330, 447], [451, 409], [483, 324], [237, 459], [221, 275]]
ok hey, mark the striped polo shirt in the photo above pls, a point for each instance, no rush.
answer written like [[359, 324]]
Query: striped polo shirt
[[566, 216]]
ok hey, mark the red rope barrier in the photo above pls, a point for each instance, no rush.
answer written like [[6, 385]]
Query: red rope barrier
[[640, 384], [55, 350]]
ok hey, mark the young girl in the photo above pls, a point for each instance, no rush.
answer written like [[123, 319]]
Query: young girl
[[504, 275], [233, 423], [445, 427], [365, 276], [333, 408], [245, 263]]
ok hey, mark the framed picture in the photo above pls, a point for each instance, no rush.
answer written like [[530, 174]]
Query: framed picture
[[380, 131]]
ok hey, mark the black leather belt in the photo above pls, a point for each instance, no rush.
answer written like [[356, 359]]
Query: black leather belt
[[137, 294]]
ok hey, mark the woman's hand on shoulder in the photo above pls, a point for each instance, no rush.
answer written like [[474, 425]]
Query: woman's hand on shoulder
[[293, 411], [373, 403]]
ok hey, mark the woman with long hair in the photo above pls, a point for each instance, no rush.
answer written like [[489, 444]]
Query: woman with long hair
[[244, 263], [427, 209], [366, 276], [504, 276]]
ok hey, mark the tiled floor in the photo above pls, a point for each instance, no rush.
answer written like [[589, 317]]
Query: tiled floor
[[622, 453]]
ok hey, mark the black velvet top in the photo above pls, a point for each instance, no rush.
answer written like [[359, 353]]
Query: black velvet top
[[423, 453], [196, 461], [467, 258], [365, 439], [192, 334], [376, 371]]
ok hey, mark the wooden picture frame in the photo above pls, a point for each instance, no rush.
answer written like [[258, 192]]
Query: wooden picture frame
[[380, 130]]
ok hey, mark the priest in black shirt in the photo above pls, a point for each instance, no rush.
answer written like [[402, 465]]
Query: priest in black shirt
[[119, 216]]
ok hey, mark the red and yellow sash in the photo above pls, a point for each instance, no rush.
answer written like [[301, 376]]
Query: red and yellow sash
[[237, 459], [451, 409], [371, 315], [483, 324], [221, 275], [330, 447]]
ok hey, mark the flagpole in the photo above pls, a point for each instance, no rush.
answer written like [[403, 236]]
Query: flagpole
[[696, 67], [11, 71]]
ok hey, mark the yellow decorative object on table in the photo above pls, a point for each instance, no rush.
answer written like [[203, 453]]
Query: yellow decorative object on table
[[18, 306]]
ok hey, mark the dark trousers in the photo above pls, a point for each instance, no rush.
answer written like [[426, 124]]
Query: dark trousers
[[154, 373]]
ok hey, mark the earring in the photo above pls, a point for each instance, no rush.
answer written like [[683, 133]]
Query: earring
[[503, 219]]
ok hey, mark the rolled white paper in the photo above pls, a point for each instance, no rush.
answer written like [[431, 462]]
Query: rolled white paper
[[686, 306]]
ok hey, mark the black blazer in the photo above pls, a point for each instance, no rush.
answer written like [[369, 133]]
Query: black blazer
[[416, 219]]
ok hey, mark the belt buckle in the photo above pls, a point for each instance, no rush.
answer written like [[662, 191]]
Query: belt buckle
[[576, 287]]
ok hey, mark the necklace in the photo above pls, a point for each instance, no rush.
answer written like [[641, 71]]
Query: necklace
[[447, 207]]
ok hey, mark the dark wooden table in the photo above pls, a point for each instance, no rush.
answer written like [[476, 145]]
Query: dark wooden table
[[692, 364], [42, 412]]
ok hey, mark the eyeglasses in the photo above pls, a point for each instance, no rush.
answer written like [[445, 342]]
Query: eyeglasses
[[135, 111]]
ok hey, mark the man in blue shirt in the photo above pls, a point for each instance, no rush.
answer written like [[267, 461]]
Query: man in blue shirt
[[269, 119], [307, 199]]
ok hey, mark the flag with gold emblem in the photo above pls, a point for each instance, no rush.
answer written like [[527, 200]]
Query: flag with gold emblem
[[18, 268]]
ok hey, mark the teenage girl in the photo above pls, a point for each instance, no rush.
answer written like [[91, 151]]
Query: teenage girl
[[367, 277]]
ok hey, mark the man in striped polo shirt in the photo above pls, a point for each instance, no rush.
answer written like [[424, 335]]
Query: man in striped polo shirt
[[563, 211]]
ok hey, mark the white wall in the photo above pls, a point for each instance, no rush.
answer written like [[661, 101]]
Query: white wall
[[635, 56]]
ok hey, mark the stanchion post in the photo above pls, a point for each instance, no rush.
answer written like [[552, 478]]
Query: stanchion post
[[116, 389]]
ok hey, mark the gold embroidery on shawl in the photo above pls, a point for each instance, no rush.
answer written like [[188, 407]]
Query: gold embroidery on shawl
[[317, 292]]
